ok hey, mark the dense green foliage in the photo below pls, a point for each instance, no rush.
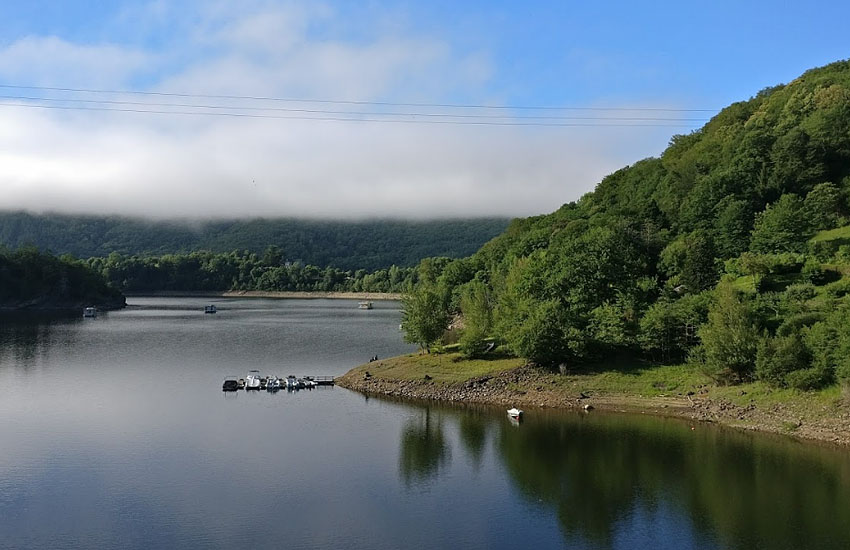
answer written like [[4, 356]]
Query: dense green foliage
[[370, 245], [243, 270], [31, 279], [731, 249], [425, 317]]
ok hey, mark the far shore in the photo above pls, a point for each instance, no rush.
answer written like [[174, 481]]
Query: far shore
[[818, 417], [373, 296]]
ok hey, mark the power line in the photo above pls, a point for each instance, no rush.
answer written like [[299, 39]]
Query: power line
[[353, 113], [343, 119], [352, 102]]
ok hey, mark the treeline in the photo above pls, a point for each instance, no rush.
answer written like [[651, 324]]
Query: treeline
[[30, 279], [243, 270], [731, 252], [370, 245]]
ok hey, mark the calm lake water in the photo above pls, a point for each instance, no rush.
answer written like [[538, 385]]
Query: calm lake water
[[114, 433]]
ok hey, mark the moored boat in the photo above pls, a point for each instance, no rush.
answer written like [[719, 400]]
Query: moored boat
[[210, 309], [252, 381], [366, 304], [230, 384], [90, 312]]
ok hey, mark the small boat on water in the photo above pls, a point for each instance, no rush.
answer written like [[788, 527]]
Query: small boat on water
[[291, 382], [252, 381], [210, 309], [90, 312], [515, 413], [230, 384], [364, 305], [273, 384]]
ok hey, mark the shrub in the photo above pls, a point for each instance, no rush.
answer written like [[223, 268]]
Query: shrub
[[823, 250], [815, 273], [793, 324], [777, 357], [839, 288], [811, 378]]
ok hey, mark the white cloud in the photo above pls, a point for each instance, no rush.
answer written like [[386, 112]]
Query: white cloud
[[52, 61], [200, 166]]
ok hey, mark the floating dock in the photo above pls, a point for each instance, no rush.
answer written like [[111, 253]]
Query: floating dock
[[276, 383]]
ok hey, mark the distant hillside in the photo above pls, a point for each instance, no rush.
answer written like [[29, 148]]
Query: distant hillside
[[366, 245]]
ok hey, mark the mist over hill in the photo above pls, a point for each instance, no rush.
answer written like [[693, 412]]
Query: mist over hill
[[370, 245]]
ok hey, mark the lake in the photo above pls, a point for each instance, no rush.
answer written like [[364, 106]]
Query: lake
[[114, 433]]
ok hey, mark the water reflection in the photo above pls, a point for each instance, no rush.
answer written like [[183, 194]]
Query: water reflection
[[616, 481], [423, 447], [25, 338], [118, 435]]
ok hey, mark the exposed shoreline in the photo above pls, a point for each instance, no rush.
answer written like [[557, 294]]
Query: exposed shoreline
[[374, 296], [529, 387]]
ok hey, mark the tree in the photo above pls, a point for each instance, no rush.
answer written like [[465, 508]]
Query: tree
[[781, 227], [424, 316], [823, 206], [730, 337], [476, 305]]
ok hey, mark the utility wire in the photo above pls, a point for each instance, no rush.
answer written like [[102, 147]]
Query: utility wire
[[352, 113], [412, 120], [352, 102]]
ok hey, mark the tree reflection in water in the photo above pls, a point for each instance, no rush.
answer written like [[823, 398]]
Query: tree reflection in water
[[423, 447], [713, 487]]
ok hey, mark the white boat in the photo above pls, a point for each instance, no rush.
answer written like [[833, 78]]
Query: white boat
[[210, 309], [364, 305], [90, 312], [252, 381], [514, 413]]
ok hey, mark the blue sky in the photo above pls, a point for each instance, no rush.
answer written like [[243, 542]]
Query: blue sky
[[505, 53]]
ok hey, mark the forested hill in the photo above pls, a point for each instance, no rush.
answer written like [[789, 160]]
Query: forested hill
[[369, 245], [732, 249], [31, 280]]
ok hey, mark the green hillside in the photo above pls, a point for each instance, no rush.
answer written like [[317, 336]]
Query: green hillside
[[728, 251], [30, 279], [370, 245]]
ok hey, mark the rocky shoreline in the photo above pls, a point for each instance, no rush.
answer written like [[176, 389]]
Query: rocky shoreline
[[529, 387]]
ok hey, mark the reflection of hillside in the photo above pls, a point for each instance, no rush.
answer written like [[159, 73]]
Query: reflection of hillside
[[423, 447], [735, 490], [24, 337]]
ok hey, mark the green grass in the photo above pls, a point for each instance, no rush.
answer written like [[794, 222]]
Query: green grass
[[641, 380], [446, 367], [765, 397], [839, 233]]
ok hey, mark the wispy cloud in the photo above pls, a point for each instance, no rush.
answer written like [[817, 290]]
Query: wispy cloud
[[200, 166]]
